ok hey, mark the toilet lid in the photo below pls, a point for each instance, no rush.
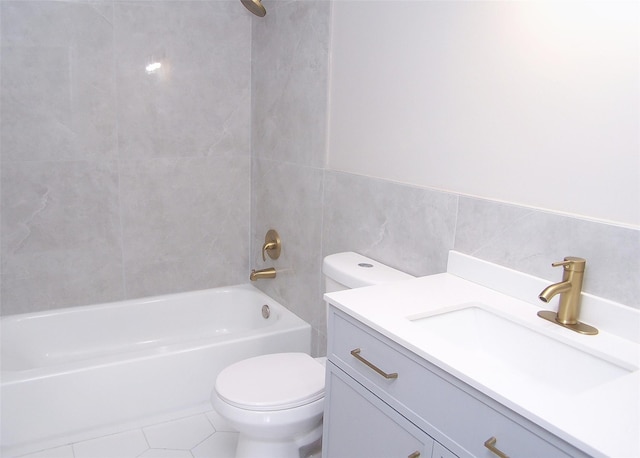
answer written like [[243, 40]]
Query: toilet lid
[[272, 382]]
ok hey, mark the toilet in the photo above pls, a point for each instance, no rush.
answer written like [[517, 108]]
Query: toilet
[[276, 401]]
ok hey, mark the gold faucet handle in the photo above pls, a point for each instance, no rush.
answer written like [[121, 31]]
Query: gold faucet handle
[[272, 245], [266, 247], [571, 263]]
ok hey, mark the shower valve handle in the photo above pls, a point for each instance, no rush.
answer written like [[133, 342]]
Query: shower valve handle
[[272, 245]]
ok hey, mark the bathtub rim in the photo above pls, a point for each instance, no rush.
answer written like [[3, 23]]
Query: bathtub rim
[[287, 319]]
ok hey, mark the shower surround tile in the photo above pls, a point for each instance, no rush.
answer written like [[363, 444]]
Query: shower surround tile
[[290, 201], [290, 49], [58, 92], [95, 134], [185, 223], [60, 235], [197, 102]]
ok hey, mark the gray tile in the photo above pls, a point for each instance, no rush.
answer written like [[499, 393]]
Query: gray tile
[[185, 221], [529, 241], [289, 82], [60, 234], [53, 23], [288, 198], [58, 92], [59, 205], [407, 228], [198, 102], [49, 280]]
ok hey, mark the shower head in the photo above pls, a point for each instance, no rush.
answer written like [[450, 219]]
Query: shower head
[[255, 6]]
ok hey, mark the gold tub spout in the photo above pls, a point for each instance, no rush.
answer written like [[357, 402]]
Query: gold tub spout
[[262, 273]]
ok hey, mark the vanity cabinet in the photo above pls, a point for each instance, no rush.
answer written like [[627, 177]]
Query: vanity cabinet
[[385, 401]]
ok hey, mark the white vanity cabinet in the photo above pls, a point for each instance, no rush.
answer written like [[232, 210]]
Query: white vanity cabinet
[[424, 411]]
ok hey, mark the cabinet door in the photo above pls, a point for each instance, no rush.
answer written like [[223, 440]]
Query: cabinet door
[[359, 425]]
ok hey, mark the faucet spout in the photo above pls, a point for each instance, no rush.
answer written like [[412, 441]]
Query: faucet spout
[[562, 287], [262, 273], [570, 290]]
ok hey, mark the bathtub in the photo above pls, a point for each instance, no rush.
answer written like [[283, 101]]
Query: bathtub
[[82, 372]]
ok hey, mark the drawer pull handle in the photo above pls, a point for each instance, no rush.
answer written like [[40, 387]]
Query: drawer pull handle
[[491, 445], [356, 354], [414, 455]]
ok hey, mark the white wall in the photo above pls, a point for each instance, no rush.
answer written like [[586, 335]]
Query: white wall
[[535, 103]]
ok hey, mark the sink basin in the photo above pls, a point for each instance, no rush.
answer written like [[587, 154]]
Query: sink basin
[[490, 342]]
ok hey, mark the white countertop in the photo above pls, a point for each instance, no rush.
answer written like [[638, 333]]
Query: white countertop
[[603, 420]]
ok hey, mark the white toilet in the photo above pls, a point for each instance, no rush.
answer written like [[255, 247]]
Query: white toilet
[[276, 401]]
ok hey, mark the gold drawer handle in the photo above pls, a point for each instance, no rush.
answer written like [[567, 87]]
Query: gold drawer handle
[[356, 354], [414, 455], [491, 445]]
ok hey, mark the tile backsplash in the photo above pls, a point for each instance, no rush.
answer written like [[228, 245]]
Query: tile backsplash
[[412, 229]]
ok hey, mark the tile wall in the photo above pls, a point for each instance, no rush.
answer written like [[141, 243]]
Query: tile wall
[[290, 47], [117, 182]]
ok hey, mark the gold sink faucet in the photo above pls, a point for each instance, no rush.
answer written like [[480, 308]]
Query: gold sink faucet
[[570, 290]]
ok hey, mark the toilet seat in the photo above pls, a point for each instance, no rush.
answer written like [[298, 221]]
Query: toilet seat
[[272, 382]]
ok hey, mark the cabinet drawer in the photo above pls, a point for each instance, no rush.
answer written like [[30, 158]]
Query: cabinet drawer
[[453, 413], [362, 426]]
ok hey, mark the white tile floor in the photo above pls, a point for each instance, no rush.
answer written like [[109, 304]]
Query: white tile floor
[[199, 436]]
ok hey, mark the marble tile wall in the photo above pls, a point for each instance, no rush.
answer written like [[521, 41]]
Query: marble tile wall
[[289, 97], [413, 229], [117, 182], [530, 240]]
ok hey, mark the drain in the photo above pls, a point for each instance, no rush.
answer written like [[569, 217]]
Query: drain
[[266, 311]]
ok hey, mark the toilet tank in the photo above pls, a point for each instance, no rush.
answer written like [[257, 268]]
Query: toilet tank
[[352, 270]]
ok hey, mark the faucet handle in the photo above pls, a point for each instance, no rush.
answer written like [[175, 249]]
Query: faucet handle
[[571, 263], [272, 245]]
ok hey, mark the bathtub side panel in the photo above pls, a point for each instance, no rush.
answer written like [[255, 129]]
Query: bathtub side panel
[[92, 401]]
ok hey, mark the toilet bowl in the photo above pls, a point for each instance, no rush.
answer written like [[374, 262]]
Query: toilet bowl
[[276, 401]]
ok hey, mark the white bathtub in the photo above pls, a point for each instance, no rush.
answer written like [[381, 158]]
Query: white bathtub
[[82, 372]]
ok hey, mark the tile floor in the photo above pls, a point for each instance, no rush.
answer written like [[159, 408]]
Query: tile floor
[[198, 436]]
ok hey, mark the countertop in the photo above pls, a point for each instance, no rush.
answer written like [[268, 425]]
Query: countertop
[[603, 420]]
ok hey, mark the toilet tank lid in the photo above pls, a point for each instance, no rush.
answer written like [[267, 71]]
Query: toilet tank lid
[[354, 270]]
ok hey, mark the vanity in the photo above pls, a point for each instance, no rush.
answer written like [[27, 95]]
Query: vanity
[[459, 365]]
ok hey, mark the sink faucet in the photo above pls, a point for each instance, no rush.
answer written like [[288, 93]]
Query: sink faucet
[[262, 273], [570, 290]]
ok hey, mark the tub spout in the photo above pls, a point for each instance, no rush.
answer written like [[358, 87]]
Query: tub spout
[[262, 273]]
